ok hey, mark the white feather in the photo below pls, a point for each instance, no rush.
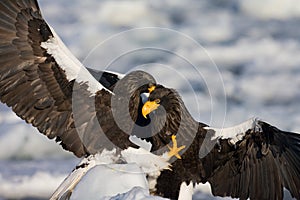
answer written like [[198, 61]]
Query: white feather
[[73, 68], [234, 133]]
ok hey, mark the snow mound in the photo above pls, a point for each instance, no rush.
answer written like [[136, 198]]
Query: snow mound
[[135, 193], [113, 181]]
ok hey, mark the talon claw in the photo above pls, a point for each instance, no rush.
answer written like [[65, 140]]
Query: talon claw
[[174, 151]]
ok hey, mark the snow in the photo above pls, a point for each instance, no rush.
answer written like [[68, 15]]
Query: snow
[[149, 163], [24, 185], [137, 164], [254, 44], [135, 193], [32, 178], [19, 140], [110, 181], [271, 9], [186, 191], [116, 14], [141, 143]]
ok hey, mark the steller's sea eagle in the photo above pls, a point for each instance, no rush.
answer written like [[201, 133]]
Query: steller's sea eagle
[[48, 87]]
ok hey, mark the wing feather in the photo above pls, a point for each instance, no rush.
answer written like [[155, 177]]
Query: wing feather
[[32, 82], [259, 166]]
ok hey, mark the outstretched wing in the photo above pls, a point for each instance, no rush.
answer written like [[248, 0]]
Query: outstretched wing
[[254, 160], [38, 75]]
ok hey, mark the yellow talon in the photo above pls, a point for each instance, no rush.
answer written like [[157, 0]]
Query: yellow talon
[[174, 151]]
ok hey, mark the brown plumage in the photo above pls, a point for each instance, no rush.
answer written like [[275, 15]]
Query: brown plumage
[[257, 167], [38, 90]]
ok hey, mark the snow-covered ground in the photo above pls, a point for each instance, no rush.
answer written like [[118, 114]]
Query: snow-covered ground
[[230, 60]]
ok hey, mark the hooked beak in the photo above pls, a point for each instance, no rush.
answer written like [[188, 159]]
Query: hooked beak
[[148, 107], [151, 89]]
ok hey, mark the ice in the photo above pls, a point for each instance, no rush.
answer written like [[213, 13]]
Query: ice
[[110, 181], [21, 187], [19, 140], [270, 9], [35, 179], [254, 44], [135, 193]]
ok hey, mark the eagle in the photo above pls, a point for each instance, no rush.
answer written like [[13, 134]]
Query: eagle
[[88, 112]]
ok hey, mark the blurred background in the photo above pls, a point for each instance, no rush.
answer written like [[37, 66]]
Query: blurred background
[[230, 60]]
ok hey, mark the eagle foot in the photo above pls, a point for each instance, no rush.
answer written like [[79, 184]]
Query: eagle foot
[[174, 151]]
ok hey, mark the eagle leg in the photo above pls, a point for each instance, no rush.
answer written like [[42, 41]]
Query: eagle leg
[[174, 151]]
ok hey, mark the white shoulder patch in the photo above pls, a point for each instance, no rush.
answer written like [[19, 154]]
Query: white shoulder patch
[[73, 68], [234, 133]]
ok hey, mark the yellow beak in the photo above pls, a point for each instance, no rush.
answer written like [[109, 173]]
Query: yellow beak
[[148, 107], [151, 89]]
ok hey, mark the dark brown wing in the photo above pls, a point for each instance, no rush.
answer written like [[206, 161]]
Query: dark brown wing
[[38, 78], [258, 166], [31, 81]]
